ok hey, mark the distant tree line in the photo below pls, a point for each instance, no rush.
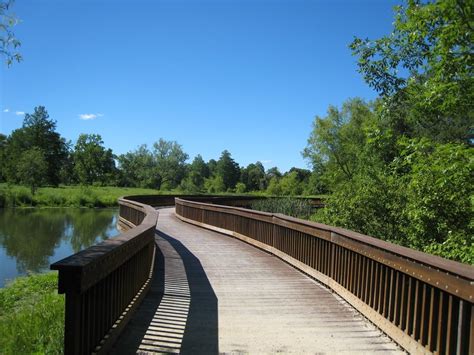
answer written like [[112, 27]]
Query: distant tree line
[[37, 155]]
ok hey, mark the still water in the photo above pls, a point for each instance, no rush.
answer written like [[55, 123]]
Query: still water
[[31, 239]]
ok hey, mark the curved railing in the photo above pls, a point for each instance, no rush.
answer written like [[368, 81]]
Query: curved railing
[[423, 302], [105, 283]]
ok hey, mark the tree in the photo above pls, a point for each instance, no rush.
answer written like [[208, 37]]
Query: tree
[[253, 176], [92, 161], [38, 131], [215, 184], [291, 185], [197, 173], [3, 145], [32, 168], [424, 69], [272, 172], [337, 140], [8, 42], [228, 170], [170, 160], [138, 169]]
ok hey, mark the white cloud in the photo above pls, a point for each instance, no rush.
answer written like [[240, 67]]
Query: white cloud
[[90, 116], [265, 161], [19, 113], [6, 110]]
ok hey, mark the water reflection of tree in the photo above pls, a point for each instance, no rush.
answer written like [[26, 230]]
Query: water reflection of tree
[[31, 236], [90, 227]]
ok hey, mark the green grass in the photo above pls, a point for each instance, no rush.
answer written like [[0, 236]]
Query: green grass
[[32, 316], [67, 196]]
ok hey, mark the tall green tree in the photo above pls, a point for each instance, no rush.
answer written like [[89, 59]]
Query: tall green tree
[[337, 140], [38, 131], [138, 169], [198, 172], [228, 170], [3, 145], [31, 168], [93, 163], [170, 160], [253, 176]]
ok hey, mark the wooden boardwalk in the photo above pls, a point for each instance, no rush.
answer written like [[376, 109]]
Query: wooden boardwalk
[[215, 294]]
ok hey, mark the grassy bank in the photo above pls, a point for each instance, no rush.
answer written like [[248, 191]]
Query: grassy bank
[[31, 316], [66, 196]]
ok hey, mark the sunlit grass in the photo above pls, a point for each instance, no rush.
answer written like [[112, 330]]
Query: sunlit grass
[[32, 316], [67, 196]]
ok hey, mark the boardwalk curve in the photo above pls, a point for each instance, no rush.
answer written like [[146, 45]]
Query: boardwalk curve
[[215, 294]]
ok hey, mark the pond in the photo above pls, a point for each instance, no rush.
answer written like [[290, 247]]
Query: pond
[[32, 239]]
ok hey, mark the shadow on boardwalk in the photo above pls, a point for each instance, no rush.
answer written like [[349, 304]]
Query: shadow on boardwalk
[[179, 315]]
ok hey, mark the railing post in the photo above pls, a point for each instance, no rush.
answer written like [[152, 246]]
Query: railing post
[[72, 329]]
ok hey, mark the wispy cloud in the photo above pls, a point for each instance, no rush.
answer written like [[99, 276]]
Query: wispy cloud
[[6, 110], [19, 113], [266, 161], [90, 116]]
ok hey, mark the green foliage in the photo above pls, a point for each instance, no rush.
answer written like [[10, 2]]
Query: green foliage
[[292, 183], [432, 42], [228, 170], [240, 188], [215, 185], [67, 196], [32, 316], [32, 168], [336, 140], [137, 169], [369, 203], [170, 163], [253, 177], [401, 168], [38, 132], [93, 163], [198, 171], [439, 187], [274, 187], [8, 42], [295, 207], [423, 200]]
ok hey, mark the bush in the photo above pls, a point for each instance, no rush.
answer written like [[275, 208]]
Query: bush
[[423, 200]]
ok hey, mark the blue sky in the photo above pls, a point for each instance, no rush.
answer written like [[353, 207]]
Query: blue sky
[[246, 76]]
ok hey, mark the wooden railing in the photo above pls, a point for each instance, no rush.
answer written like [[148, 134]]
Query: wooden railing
[[105, 283], [423, 302]]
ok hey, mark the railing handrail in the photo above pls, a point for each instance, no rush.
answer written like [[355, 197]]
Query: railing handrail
[[86, 260], [453, 267]]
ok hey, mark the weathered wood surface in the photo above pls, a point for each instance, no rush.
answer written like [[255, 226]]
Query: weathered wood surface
[[215, 294]]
